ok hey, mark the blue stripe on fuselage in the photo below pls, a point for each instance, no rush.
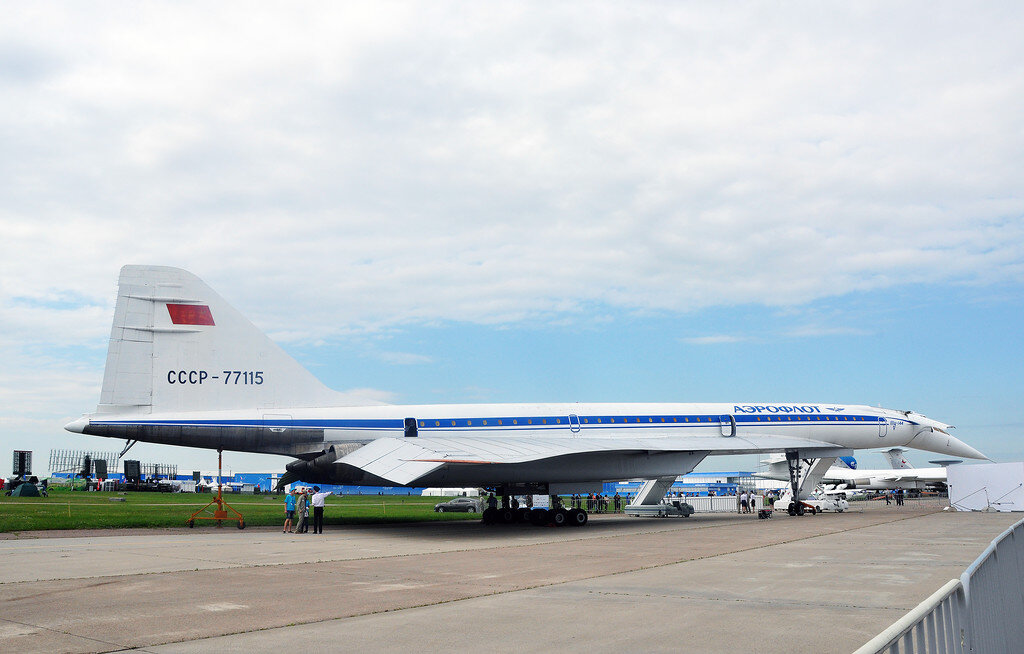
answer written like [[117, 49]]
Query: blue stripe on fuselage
[[517, 423]]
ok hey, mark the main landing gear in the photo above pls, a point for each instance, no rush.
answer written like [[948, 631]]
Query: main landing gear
[[557, 516]]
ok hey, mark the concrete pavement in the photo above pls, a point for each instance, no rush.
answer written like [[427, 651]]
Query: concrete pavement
[[710, 583]]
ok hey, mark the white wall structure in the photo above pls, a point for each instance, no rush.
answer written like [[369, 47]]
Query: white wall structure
[[450, 492], [987, 487]]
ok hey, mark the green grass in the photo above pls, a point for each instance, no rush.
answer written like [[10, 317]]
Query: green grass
[[65, 509]]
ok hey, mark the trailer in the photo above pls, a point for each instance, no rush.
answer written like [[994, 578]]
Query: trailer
[[664, 509]]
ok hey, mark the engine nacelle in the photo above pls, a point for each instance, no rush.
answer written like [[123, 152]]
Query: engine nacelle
[[316, 471]]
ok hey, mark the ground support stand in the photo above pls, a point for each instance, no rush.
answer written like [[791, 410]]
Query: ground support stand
[[219, 514]]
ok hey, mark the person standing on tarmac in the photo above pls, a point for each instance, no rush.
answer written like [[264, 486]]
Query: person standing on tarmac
[[302, 513], [318, 509], [289, 510]]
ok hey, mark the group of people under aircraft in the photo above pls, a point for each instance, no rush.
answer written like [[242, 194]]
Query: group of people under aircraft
[[296, 507], [593, 502], [597, 503], [299, 501], [896, 494], [748, 502]]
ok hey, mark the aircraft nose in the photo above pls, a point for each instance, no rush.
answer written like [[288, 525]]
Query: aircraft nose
[[934, 439]]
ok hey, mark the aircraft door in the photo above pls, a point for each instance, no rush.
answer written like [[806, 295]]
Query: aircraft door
[[410, 428], [574, 423], [276, 422], [883, 428], [728, 425]]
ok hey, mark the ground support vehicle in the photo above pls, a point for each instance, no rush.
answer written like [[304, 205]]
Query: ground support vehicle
[[663, 509]]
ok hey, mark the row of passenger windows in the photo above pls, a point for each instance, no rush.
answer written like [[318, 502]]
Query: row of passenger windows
[[812, 418], [483, 422]]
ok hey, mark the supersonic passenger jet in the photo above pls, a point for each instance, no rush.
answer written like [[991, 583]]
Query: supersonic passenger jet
[[185, 368]]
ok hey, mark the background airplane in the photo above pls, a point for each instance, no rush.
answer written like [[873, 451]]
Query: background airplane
[[185, 368], [900, 475]]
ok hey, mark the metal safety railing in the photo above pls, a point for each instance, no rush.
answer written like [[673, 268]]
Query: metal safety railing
[[982, 611]]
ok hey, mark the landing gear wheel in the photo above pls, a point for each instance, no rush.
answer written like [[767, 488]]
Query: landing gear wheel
[[490, 516], [792, 508], [241, 524], [578, 517], [559, 517], [800, 510], [506, 516], [191, 524], [539, 517]]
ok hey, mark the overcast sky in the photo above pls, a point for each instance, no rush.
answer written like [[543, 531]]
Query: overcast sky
[[500, 202]]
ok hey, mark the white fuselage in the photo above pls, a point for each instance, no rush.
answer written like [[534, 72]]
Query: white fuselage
[[848, 426]]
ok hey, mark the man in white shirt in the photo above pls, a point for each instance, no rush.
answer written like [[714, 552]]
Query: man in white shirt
[[318, 509]]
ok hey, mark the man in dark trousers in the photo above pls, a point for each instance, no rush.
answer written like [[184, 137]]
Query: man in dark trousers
[[318, 509]]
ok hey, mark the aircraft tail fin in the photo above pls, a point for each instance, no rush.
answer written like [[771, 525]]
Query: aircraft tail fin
[[176, 345], [896, 458]]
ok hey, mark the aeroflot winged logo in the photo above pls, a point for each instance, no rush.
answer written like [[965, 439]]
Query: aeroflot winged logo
[[190, 314]]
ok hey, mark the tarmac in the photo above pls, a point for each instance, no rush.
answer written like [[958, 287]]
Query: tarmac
[[708, 583]]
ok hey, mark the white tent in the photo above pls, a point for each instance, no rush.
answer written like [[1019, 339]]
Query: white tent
[[987, 487], [450, 492]]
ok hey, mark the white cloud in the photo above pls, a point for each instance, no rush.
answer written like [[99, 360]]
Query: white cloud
[[446, 164], [365, 166], [366, 397], [816, 331], [404, 358], [716, 339]]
